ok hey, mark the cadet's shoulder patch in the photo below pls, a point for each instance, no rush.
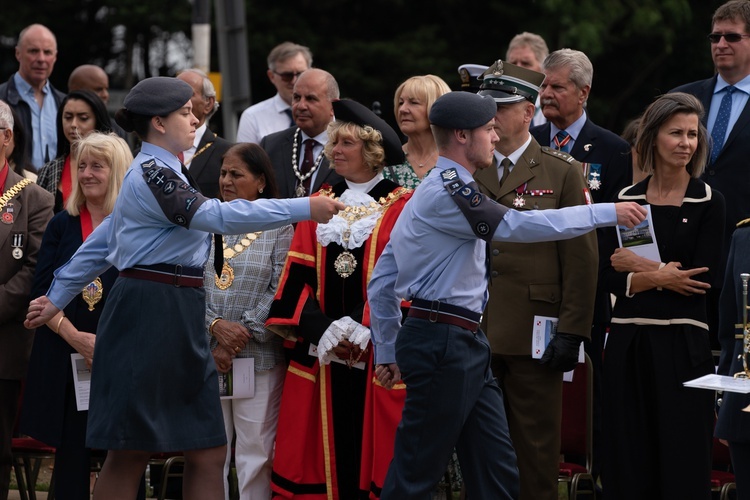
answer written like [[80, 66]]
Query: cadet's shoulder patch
[[557, 154], [177, 199], [743, 223], [449, 174]]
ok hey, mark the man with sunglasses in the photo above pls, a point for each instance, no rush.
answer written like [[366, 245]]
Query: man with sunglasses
[[728, 93], [730, 51], [727, 118], [286, 62]]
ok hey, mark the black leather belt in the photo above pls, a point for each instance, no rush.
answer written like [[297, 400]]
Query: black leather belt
[[170, 274], [441, 312]]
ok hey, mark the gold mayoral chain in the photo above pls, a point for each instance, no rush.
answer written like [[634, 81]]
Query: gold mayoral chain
[[301, 178], [227, 272], [345, 264], [92, 293]]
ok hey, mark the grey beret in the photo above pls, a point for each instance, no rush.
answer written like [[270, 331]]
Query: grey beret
[[157, 96], [462, 110]]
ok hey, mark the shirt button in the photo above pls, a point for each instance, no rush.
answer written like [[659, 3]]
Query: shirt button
[[495, 274], [495, 252], [711, 172]]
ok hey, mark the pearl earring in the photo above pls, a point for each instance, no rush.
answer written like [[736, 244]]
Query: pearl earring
[[260, 190]]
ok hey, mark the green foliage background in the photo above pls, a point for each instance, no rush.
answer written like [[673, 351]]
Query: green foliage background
[[639, 48]]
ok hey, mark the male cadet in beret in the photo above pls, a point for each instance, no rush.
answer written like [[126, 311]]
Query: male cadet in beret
[[531, 280], [437, 259], [25, 209], [471, 76]]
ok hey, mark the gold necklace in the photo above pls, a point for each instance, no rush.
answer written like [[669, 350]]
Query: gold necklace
[[227, 272]]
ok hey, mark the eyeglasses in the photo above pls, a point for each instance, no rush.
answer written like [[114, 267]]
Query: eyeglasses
[[729, 37], [288, 76]]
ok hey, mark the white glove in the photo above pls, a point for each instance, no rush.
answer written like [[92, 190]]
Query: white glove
[[360, 335], [335, 333]]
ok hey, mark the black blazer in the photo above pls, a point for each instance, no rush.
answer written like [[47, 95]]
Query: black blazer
[[279, 148], [730, 175], [597, 145], [205, 167]]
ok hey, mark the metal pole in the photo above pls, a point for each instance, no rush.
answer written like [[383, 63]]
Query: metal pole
[[231, 35]]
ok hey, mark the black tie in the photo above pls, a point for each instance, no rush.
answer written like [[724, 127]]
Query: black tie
[[307, 163], [288, 112], [218, 241]]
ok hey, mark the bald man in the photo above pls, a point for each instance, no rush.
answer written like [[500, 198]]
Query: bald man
[[90, 77], [31, 95], [203, 159]]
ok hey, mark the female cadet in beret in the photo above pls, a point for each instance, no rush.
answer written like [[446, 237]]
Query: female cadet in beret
[[411, 105], [328, 403], [659, 336], [154, 384]]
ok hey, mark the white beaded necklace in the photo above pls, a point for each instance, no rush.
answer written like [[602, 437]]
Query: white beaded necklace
[[300, 191]]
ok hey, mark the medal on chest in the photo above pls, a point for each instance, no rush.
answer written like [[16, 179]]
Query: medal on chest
[[93, 292], [17, 245], [519, 201], [226, 278], [7, 216]]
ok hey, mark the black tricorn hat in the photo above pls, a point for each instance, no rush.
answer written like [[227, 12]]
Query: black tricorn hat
[[347, 110]]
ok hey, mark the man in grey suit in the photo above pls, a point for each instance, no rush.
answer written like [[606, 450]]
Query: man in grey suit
[[297, 152], [25, 209], [203, 159]]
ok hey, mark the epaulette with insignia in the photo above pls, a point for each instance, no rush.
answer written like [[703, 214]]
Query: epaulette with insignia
[[743, 223], [558, 154]]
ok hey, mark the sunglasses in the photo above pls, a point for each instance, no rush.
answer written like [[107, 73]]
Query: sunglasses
[[288, 76], [729, 37]]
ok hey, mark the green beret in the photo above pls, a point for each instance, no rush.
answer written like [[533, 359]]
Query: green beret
[[462, 110], [157, 96]]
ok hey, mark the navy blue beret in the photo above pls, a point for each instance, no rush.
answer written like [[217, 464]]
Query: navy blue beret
[[346, 110], [158, 96], [462, 110]]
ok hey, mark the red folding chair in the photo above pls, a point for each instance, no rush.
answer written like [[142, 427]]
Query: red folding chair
[[577, 433]]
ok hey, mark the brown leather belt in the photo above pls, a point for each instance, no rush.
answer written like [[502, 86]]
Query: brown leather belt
[[169, 274], [440, 312]]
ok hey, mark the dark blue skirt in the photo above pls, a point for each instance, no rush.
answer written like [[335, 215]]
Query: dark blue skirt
[[154, 384]]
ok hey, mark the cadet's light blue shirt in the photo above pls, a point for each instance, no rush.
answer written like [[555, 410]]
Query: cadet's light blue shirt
[[433, 253], [43, 131], [138, 233]]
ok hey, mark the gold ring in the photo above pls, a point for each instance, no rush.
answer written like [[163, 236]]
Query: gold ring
[[237, 349]]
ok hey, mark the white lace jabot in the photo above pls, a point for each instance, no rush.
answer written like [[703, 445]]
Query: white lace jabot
[[351, 227]]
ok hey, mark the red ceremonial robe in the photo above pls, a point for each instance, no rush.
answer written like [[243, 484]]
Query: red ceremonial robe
[[330, 416]]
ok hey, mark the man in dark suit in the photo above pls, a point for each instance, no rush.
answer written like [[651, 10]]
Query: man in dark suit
[[203, 159], [25, 209], [531, 280], [606, 164], [727, 168], [727, 172], [297, 152]]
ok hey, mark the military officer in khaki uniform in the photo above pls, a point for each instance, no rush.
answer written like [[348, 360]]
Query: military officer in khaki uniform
[[529, 280]]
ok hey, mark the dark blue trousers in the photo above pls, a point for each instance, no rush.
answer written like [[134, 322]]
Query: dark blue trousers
[[452, 400]]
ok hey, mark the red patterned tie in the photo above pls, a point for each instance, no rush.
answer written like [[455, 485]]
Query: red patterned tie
[[561, 140]]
